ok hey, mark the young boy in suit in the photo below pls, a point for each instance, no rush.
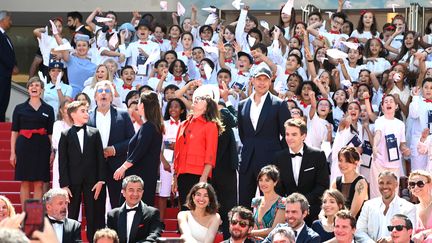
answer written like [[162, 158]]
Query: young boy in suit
[[82, 168]]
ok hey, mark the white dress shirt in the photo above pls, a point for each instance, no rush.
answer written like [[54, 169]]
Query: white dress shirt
[[58, 228], [129, 220], [299, 229], [103, 123], [80, 135], [296, 164], [256, 108]]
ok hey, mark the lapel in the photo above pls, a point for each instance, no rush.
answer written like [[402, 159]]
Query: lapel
[[135, 222], [8, 41], [113, 121], [66, 231], [86, 139], [305, 162], [303, 234], [121, 223], [246, 114], [289, 169], [264, 111]]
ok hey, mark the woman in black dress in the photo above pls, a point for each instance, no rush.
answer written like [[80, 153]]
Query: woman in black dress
[[145, 147], [32, 126]]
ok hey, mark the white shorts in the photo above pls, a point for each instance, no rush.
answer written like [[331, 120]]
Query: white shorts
[[166, 180]]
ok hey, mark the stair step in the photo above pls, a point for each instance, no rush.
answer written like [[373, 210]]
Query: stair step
[[9, 186], [170, 224], [5, 126], [7, 175], [4, 143], [5, 165], [171, 213], [5, 135]]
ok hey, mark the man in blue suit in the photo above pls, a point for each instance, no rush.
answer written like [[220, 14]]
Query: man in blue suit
[[7, 63], [116, 129], [261, 120]]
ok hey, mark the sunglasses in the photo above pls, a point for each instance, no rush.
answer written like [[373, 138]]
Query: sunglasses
[[200, 98], [398, 227], [102, 90], [419, 184], [242, 224]]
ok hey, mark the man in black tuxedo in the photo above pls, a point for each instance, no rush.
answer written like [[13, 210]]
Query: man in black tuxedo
[[56, 203], [302, 169], [296, 209], [7, 63], [134, 221], [116, 129], [75, 24], [241, 223], [261, 121], [82, 168]]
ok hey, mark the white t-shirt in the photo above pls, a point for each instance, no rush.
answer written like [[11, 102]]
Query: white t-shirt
[[389, 127]]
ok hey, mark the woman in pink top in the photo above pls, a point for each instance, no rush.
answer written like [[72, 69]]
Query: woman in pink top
[[420, 184]]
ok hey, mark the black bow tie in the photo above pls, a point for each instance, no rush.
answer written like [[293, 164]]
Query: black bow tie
[[79, 128], [296, 154], [131, 209], [53, 221]]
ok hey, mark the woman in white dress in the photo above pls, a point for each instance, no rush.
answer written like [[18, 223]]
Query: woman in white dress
[[63, 123], [200, 224]]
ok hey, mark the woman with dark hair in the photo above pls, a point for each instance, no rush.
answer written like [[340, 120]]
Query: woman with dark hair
[[174, 33], [32, 125], [287, 21], [178, 71], [196, 143], [56, 91], [269, 209], [332, 202], [427, 38], [83, 97], [353, 186], [145, 147], [201, 222]]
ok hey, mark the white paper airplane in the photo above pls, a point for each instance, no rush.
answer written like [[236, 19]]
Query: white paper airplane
[[102, 19], [264, 24], [180, 9]]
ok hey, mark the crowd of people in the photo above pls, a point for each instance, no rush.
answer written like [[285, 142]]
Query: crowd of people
[[301, 132]]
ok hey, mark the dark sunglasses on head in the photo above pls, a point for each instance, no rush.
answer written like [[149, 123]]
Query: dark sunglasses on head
[[102, 90], [241, 223], [398, 227], [419, 184]]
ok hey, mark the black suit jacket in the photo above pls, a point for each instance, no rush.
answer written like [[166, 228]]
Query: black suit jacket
[[265, 141], [307, 235], [227, 156], [146, 225], [121, 132], [76, 168], [7, 58], [71, 231], [313, 178]]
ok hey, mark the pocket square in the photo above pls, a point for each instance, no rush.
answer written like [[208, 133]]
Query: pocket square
[[141, 225], [308, 169]]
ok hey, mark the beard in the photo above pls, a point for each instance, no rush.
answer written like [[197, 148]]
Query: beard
[[239, 235]]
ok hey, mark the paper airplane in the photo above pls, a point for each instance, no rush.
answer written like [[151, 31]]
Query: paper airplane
[[351, 45], [211, 19], [211, 49], [237, 4], [64, 47], [336, 54], [288, 7], [102, 19], [251, 40], [208, 71], [346, 83], [209, 9], [322, 59], [264, 24], [180, 9], [163, 5], [329, 14], [347, 4]]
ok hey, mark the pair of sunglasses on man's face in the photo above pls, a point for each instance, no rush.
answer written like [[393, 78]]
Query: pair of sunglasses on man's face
[[241, 223], [419, 184], [397, 227]]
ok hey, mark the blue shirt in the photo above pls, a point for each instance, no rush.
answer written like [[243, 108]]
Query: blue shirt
[[79, 70]]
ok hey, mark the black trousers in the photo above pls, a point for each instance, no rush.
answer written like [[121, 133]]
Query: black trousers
[[248, 185], [185, 182], [5, 90], [94, 210], [224, 181]]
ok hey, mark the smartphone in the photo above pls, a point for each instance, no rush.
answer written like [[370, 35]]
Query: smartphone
[[34, 218]]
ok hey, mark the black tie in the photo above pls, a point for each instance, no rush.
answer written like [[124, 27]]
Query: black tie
[[296, 154], [295, 233], [53, 221], [79, 128], [131, 209]]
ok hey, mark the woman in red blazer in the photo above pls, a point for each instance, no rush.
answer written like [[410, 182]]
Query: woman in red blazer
[[196, 144]]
